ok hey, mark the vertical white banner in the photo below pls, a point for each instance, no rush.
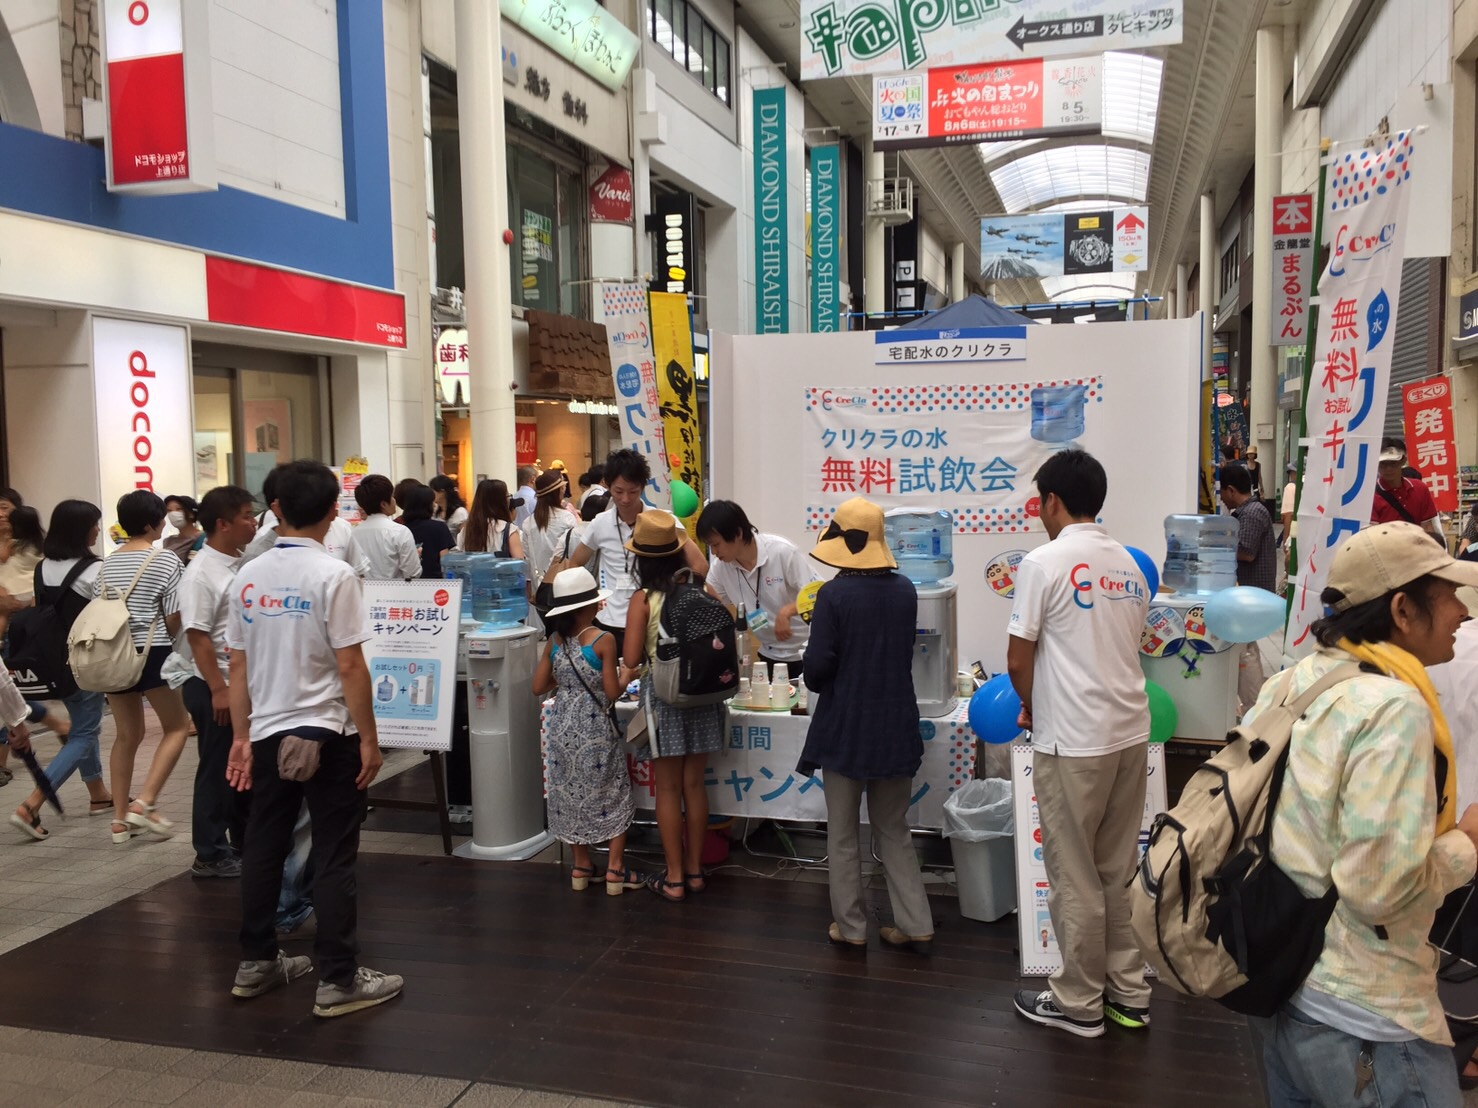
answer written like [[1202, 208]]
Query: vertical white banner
[[1366, 200], [141, 381], [634, 367]]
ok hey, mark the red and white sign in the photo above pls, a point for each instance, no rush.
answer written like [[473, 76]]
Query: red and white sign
[[247, 295], [994, 101], [1427, 414], [1131, 237], [1293, 267], [453, 367], [141, 382], [525, 442], [610, 196], [156, 88]]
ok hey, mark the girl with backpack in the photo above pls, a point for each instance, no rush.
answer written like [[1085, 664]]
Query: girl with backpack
[[68, 579], [490, 528], [589, 787], [150, 576], [684, 737]]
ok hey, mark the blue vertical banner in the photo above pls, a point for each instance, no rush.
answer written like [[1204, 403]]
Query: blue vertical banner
[[771, 273], [826, 180]]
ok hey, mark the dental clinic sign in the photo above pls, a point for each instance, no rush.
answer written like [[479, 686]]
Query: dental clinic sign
[[771, 276], [141, 383], [156, 89]]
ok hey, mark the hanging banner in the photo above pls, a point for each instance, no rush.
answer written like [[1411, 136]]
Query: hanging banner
[[771, 242], [159, 135], [1114, 240], [1293, 267], [1351, 373], [847, 38], [969, 449], [672, 348], [634, 368], [1427, 416], [991, 102], [141, 378], [826, 221], [412, 657], [1040, 954]]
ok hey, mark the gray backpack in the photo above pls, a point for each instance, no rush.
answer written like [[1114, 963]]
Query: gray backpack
[[100, 646]]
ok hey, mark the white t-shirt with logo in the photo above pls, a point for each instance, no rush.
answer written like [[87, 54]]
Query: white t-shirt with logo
[[1082, 599], [204, 592], [607, 535], [780, 572], [290, 610]]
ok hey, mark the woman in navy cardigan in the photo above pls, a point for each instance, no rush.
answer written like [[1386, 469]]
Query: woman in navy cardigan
[[864, 731]]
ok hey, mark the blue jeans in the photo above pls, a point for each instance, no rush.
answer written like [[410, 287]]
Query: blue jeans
[[1310, 1063], [294, 903], [81, 750]]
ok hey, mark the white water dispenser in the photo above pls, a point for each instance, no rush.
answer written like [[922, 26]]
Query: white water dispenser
[[936, 651]]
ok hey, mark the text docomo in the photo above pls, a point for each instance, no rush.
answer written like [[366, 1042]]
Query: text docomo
[[143, 445]]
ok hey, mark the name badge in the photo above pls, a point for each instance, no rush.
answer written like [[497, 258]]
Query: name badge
[[757, 620]]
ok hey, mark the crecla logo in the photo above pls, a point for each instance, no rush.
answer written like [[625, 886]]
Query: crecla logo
[[1080, 588], [269, 604]]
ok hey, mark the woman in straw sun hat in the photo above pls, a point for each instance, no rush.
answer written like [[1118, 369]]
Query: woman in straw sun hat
[[864, 730], [589, 789], [685, 737]]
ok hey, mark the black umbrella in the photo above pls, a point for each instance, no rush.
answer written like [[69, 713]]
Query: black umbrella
[[42, 781]]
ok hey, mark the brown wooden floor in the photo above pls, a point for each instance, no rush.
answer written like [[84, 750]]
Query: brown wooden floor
[[734, 998]]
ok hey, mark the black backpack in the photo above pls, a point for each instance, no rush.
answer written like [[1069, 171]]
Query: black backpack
[[697, 660], [36, 641]]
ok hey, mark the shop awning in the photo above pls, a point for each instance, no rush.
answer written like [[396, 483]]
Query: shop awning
[[568, 357]]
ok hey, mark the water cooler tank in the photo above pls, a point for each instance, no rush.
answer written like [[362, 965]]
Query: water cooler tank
[[507, 771], [936, 652]]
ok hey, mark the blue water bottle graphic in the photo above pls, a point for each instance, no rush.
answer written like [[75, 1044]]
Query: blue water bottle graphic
[[1057, 413], [385, 690]]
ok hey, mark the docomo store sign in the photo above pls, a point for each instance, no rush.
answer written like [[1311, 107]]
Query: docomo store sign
[[141, 382], [156, 88]]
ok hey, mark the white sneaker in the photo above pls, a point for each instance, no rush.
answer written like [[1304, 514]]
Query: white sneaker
[[370, 987], [256, 978]]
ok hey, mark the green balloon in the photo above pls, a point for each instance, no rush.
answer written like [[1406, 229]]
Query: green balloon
[[684, 499], [1163, 716]]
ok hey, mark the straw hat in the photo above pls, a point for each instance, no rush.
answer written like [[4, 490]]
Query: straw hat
[[548, 481], [655, 535], [575, 589], [855, 538]]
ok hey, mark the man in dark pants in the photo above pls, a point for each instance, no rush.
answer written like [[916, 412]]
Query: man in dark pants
[[217, 818], [300, 690]]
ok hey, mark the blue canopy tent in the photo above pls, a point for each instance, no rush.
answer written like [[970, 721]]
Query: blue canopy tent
[[973, 311]]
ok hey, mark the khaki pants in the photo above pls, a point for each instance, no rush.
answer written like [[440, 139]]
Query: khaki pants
[[1250, 677], [1091, 811], [887, 807]]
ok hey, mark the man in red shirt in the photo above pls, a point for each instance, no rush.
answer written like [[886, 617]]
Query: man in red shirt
[[1399, 498]]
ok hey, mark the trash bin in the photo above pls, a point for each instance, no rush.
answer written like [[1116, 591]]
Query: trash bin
[[979, 826]]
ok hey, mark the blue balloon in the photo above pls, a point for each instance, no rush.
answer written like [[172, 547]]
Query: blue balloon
[[1244, 614], [1148, 568], [993, 710]]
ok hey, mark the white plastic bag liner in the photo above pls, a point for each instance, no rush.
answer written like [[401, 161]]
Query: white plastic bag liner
[[979, 811]]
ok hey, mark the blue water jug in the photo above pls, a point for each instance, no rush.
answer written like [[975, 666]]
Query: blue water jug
[[1057, 412], [1200, 553], [454, 565], [499, 595], [922, 539]]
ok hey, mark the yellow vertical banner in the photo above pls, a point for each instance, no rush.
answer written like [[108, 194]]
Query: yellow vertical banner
[[672, 349]]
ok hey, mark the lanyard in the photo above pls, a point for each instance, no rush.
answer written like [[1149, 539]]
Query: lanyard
[[625, 553]]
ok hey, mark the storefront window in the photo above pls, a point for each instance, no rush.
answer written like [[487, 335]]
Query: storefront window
[[546, 201]]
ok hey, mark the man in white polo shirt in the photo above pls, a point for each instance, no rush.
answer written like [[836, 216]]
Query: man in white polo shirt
[[759, 576], [300, 688], [227, 517], [627, 474], [1073, 657]]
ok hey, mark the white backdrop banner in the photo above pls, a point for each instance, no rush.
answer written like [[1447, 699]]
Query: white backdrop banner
[[634, 367], [1367, 196], [970, 449], [141, 374]]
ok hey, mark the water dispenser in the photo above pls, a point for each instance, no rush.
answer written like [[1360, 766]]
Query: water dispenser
[[922, 541], [499, 593], [1200, 553], [936, 652], [455, 565]]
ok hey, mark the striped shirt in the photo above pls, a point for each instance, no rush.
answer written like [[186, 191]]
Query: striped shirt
[[156, 595]]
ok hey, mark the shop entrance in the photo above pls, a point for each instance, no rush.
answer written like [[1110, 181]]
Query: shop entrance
[[253, 410]]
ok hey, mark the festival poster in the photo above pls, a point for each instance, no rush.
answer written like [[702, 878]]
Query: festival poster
[[1427, 417], [1349, 378], [672, 350], [412, 658], [634, 367]]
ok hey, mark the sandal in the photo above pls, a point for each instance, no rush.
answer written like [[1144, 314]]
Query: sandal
[[30, 823], [581, 876], [701, 878], [625, 878], [99, 807], [659, 884], [834, 934], [144, 819]]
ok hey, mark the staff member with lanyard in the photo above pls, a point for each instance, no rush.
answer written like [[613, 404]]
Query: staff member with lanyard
[[627, 474], [758, 575]]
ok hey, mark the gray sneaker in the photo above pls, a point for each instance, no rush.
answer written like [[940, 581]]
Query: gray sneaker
[[256, 978], [229, 866], [370, 987]]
